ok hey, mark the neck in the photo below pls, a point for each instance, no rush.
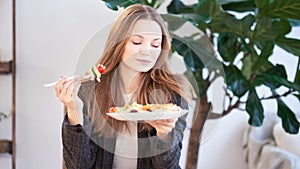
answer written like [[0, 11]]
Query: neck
[[130, 78]]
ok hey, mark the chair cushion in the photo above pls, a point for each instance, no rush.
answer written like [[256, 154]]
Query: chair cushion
[[284, 140]]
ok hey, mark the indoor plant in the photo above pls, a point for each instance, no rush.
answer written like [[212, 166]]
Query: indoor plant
[[253, 37]]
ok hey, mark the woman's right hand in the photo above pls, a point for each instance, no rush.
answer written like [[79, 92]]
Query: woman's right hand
[[67, 93]]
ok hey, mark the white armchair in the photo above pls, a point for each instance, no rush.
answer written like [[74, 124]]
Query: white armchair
[[270, 147]]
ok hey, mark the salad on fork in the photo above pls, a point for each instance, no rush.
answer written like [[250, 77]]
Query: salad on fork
[[95, 72]]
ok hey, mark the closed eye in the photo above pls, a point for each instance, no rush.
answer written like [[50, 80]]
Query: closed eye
[[156, 46], [136, 43]]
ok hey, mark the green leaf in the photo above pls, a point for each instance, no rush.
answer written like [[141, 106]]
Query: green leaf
[[281, 27], [247, 22], [227, 46], [267, 50], [261, 3], [197, 52], [269, 30], [248, 48], [289, 120], [274, 81], [212, 14], [156, 3], [267, 79], [289, 44], [263, 30], [190, 58], [278, 70], [229, 1], [294, 22], [204, 50], [219, 21], [208, 8], [297, 77], [286, 83], [243, 6], [262, 63], [248, 63], [279, 8], [254, 108], [253, 65], [196, 20], [239, 27], [196, 79], [251, 59], [178, 7], [114, 4], [235, 81], [174, 22]]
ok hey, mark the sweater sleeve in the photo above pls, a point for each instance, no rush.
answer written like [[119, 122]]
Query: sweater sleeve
[[166, 154], [79, 151]]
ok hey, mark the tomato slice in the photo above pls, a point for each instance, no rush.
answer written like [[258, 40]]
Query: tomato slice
[[101, 68], [146, 107], [112, 109]]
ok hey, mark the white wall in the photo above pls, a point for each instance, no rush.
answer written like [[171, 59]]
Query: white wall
[[50, 36], [5, 80]]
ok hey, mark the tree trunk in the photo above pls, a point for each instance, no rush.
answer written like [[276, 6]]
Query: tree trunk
[[200, 114]]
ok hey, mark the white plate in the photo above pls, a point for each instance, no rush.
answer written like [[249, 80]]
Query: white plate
[[139, 116]]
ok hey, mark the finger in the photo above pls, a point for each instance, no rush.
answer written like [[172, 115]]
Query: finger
[[63, 97], [156, 121], [76, 87], [164, 129], [168, 124], [58, 85], [72, 92], [172, 120], [65, 87], [71, 88], [162, 123]]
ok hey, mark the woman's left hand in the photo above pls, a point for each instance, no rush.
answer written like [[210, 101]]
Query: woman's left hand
[[163, 127]]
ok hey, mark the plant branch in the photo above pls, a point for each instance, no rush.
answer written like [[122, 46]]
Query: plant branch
[[239, 102], [275, 96], [231, 107]]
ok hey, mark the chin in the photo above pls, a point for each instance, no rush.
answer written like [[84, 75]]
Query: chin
[[144, 70]]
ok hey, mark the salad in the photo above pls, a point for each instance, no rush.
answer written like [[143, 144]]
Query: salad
[[135, 107], [95, 72]]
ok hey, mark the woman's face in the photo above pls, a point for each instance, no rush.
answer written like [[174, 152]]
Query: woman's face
[[143, 46]]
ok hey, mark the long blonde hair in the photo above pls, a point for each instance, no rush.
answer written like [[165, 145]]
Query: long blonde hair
[[159, 77]]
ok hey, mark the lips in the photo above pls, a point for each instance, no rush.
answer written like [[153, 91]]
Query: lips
[[144, 61]]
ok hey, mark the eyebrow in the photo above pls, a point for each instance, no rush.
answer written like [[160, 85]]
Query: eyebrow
[[148, 33]]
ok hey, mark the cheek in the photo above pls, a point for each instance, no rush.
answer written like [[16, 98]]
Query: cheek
[[130, 50], [156, 53]]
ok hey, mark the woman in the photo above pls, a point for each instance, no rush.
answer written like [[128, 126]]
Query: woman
[[136, 54]]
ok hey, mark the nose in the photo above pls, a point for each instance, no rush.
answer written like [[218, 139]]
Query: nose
[[145, 50]]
